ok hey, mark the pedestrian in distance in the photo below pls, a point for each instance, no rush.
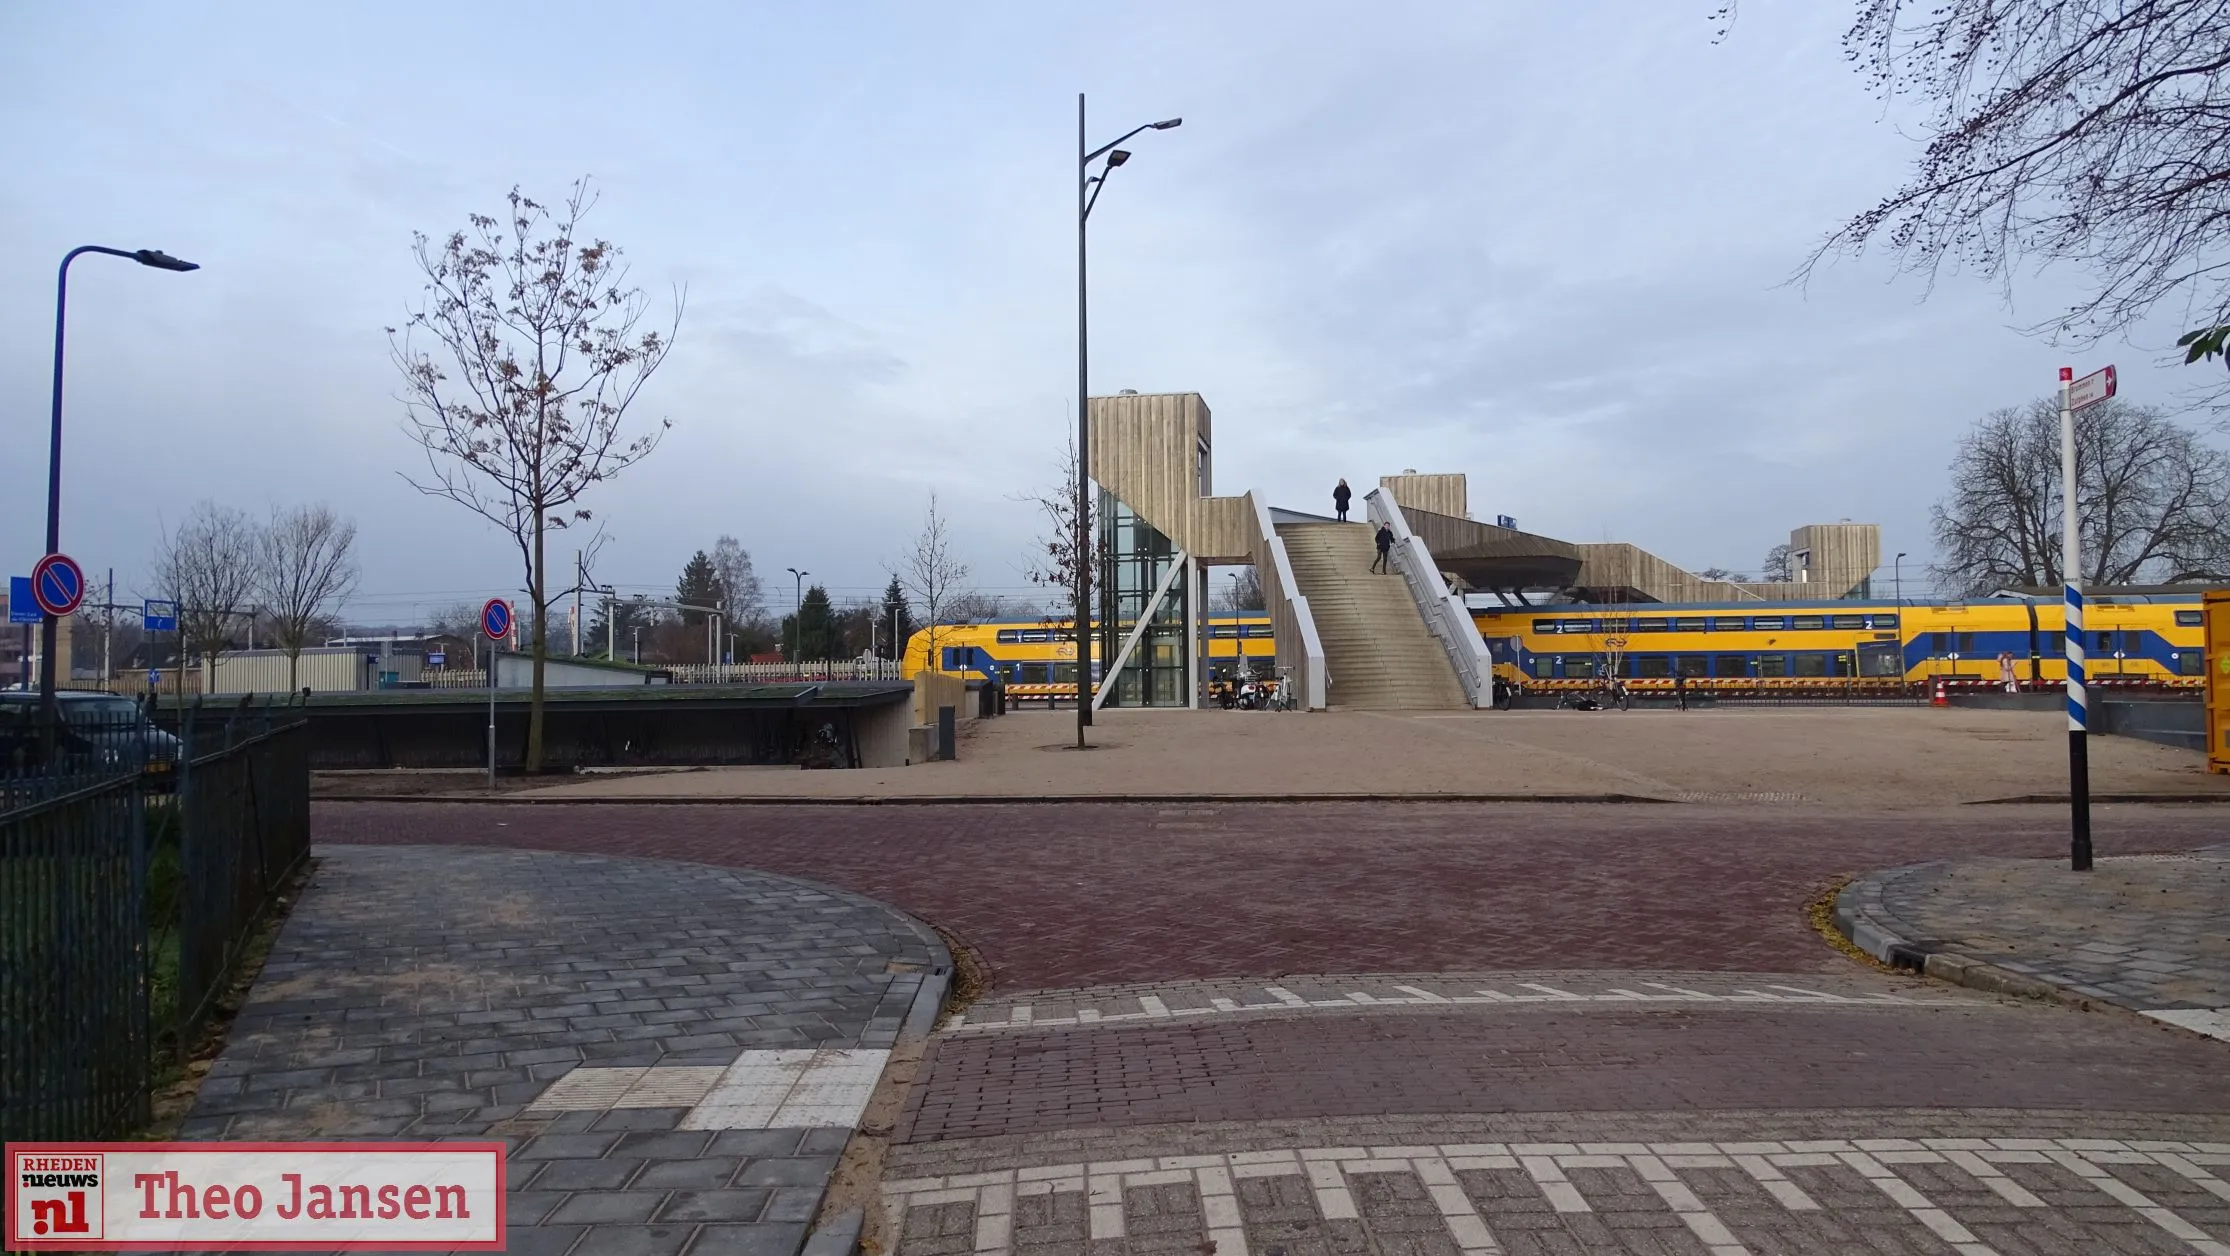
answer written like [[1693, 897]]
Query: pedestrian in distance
[[1341, 495], [1385, 540], [1680, 690]]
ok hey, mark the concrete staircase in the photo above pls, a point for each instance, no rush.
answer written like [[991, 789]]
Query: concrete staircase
[[1377, 649]]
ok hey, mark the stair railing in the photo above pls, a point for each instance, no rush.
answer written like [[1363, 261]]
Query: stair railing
[[1443, 612]]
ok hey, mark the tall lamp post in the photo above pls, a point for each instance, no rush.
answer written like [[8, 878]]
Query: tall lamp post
[[1897, 577], [145, 257], [797, 617], [1088, 186]]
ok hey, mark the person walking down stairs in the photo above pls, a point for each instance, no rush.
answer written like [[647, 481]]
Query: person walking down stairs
[[1385, 540], [1341, 494]]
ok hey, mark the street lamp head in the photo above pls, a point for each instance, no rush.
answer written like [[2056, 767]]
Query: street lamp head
[[162, 261], [1117, 158], [1900, 554], [1169, 124]]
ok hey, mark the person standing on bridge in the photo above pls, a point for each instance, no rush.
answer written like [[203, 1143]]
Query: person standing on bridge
[[1341, 495], [1385, 540]]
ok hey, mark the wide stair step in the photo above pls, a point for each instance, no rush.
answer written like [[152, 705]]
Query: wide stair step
[[1379, 652]]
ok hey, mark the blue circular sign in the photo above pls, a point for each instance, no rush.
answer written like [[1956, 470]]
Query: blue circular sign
[[57, 584], [495, 619]]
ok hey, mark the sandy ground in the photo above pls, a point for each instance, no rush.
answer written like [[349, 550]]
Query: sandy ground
[[1844, 756]]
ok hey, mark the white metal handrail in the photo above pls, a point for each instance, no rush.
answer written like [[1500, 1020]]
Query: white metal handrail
[[1443, 611], [1315, 682]]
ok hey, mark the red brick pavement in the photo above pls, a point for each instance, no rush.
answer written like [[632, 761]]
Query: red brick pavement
[[1056, 896], [1658, 1059]]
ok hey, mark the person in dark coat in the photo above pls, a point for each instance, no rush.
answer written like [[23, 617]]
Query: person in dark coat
[[1341, 495], [1385, 540]]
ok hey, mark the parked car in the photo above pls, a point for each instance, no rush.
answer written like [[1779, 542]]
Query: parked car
[[100, 731]]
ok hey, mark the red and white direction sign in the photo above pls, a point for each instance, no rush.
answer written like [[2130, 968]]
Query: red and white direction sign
[[2091, 389]]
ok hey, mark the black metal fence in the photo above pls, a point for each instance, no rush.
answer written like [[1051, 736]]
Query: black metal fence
[[134, 863]]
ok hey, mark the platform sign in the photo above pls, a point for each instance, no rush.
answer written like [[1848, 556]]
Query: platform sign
[[154, 677], [57, 584], [22, 607], [2091, 389], [436, 658], [157, 616], [495, 619]]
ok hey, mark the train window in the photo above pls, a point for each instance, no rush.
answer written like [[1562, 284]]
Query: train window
[[1579, 667], [1846, 621], [1544, 625], [1773, 665], [1652, 625], [1727, 623], [1224, 632], [1692, 665], [1008, 636], [2191, 663], [1805, 623], [2106, 640], [1064, 673], [1258, 631], [2055, 643], [1811, 664], [1542, 666], [1576, 625], [1768, 623], [1730, 665], [1653, 667], [1884, 621], [2190, 619], [1694, 623], [1616, 625]]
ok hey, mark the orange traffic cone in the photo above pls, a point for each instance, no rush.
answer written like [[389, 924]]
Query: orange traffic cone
[[1939, 699]]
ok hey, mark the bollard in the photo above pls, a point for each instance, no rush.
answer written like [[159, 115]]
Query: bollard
[[948, 720]]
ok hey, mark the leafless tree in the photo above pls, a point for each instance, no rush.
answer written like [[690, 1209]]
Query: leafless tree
[[974, 604], [1722, 573], [1061, 555], [1779, 565], [2089, 131], [931, 574], [519, 369], [208, 567], [2150, 496], [742, 597], [1243, 591], [305, 565]]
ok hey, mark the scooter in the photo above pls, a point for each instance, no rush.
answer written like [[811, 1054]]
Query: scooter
[[1252, 697]]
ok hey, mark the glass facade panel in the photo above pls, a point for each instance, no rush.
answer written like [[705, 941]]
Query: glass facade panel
[[1135, 557]]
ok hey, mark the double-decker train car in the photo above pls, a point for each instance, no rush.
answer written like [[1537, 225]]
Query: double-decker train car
[[2138, 639], [1037, 658]]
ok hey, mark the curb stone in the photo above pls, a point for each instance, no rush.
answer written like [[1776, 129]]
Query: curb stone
[[1001, 800], [1861, 916], [838, 1236]]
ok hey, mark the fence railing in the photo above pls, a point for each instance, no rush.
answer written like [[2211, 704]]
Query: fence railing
[[1443, 612], [134, 866], [717, 673]]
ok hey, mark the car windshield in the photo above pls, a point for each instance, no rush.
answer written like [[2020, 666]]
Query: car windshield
[[101, 713]]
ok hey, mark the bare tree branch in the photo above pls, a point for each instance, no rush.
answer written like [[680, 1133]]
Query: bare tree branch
[[931, 575], [208, 566], [305, 564]]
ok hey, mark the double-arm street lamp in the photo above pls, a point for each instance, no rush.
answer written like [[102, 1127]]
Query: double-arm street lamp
[[145, 257], [1088, 186], [797, 617]]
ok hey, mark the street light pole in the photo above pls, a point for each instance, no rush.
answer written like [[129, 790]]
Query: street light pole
[[1897, 575], [145, 257], [797, 617], [1088, 187]]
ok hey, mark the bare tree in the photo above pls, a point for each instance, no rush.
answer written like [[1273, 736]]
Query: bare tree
[[1779, 565], [1243, 591], [2151, 498], [931, 575], [974, 604], [2090, 131], [1061, 555], [540, 330], [742, 598], [208, 567], [306, 563]]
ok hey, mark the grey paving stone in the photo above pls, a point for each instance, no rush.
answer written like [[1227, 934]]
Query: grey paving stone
[[637, 1240], [787, 1171], [763, 1239], [544, 1240], [714, 1205], [606, 1207]]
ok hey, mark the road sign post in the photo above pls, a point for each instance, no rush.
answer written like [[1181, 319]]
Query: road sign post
[[2076, 394], [57, 585], [496, 623], [155, 616]]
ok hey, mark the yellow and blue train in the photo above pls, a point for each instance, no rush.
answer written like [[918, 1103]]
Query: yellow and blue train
[[2134, 639]]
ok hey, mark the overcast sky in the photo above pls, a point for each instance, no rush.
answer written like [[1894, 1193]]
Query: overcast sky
[[1544, 245]]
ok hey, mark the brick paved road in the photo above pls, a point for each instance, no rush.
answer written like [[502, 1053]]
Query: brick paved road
[[1418, 1111], [1062, 896]]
